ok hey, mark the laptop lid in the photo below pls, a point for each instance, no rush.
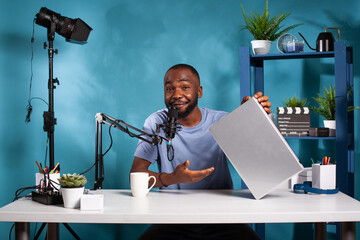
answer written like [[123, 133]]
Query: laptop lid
[[255, 148]]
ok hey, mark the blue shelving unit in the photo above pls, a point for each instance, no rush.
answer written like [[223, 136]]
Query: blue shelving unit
[[343, 68]]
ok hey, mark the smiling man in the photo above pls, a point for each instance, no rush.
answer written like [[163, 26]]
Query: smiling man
[[199, 162]]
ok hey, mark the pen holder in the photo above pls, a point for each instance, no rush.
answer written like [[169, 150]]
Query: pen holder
[[39, 179], [324, 176]]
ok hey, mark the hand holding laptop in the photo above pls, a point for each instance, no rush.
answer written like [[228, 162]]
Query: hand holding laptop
[[263, 100]]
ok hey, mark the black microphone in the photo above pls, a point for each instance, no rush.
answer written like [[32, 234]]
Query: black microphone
[[170, 130], [170, 126]]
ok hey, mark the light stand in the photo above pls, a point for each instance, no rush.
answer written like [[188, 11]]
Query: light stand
[[75, 31], [49, 119], [102, 118]]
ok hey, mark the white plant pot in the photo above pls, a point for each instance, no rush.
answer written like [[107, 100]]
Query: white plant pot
[[261, 46], [331, 124], [72, 196]]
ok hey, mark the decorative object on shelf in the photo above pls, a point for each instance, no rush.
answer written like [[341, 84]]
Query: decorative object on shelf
[[264, 28], [319, 132], [324, 42], [327, 107], [72, 188], [326, 102], [293, 119], [295, 102], [288, 43], [261, 46]]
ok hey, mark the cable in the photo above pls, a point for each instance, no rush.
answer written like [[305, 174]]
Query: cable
[[111, 143], [170, 152], [52, 182], [111, 139], [46, 149], [88, 169], [17, 194], [12, 227], [21, 190], [29, 107]]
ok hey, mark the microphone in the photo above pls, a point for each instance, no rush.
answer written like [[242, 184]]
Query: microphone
[[170, 130]]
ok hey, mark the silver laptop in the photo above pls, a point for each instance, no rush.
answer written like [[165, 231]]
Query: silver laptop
[[256, 149]]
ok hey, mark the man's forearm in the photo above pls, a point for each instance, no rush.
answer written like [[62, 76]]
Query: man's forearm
[[166, 178]]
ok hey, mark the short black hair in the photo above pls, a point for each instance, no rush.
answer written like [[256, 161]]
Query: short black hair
[[185, 66]]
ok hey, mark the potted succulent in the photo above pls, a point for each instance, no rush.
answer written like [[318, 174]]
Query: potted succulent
[[326, 107], [293, 118], [264, 29], [72, 188]]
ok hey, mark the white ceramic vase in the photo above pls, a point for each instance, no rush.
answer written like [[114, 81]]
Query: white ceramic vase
[[261, 46], [72, 196], [331, 124]]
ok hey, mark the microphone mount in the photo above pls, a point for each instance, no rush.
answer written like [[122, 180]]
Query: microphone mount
[[101, 119]]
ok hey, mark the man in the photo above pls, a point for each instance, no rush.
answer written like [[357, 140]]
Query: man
[[199, 162]]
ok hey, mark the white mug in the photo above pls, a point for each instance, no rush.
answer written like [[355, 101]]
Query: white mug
[[139, 182]]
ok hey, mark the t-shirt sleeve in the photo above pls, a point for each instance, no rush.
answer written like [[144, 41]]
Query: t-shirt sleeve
[[144, 149]]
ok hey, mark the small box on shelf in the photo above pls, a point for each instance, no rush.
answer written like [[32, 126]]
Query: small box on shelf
[[318, 132]]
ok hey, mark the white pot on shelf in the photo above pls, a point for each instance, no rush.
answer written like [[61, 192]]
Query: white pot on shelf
[[261, 46], [331, 125], [72, 196]]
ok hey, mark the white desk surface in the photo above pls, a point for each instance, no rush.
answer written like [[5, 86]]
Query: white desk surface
[[194, 206]]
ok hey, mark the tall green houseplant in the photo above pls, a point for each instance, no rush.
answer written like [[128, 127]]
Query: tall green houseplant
[[327, 103], [263, 27]]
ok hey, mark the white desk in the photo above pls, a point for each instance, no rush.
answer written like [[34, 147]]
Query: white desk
[[199, 206]]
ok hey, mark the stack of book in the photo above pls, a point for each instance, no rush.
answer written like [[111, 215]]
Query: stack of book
[[293, 121]]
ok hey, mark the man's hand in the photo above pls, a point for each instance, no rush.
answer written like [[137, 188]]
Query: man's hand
[[182, 174], [263, 100]]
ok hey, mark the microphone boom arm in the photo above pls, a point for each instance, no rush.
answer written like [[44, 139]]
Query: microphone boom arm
[[102, 118]]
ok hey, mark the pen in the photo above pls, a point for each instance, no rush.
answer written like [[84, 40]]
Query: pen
[[41, 171], [54, 168], [312, 160]]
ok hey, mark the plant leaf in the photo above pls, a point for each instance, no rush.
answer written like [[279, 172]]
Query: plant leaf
[[263, 27]]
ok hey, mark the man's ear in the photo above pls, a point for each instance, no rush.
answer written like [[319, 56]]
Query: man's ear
[[200, 92]]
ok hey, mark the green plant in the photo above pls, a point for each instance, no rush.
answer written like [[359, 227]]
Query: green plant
[[327, 103], [72, 180], [263, 27], [295, 102]]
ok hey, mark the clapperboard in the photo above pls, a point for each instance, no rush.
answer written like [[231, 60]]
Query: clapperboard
[[293, 121]]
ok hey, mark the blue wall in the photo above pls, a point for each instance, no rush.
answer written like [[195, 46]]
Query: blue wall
[[120, 71]]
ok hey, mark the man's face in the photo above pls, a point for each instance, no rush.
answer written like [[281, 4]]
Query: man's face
[[182, 90]]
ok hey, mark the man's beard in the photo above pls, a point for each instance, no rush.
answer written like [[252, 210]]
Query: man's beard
[[188, 109]]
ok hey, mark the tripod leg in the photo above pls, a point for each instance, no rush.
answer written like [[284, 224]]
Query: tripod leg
[[71, 231], [40, 230]]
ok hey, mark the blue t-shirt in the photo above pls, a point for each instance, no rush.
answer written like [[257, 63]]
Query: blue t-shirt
[[195, 144]]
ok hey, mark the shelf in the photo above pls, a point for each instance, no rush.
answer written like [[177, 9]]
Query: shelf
[[312, 138], [252, 71], [293, 56], [252, 80]]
